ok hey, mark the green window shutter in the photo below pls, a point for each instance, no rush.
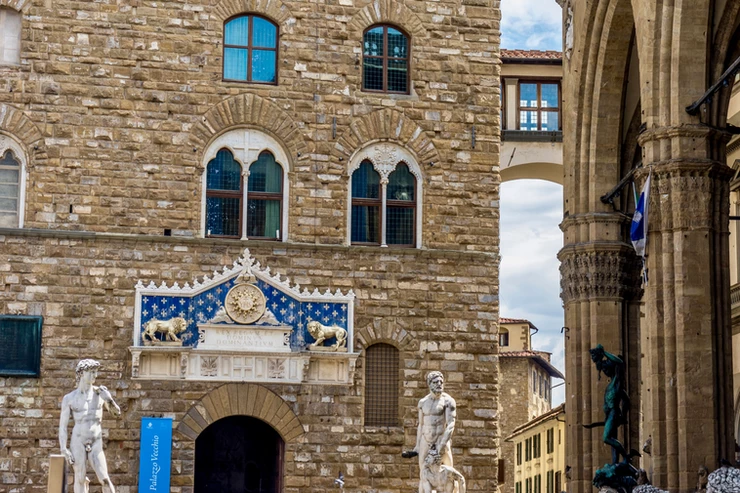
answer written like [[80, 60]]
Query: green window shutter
[[20, 340]]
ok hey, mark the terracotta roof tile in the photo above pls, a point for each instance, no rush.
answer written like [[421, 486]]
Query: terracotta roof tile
[[533, 55], [539, 419], [513, 321]]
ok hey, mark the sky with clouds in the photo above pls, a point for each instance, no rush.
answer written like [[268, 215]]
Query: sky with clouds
[[531, 210], [531, 24]]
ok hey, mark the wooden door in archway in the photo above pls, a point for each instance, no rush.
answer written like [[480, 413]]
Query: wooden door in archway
[[239, 454]]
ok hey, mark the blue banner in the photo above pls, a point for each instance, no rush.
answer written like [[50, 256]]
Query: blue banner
[[156, 451]]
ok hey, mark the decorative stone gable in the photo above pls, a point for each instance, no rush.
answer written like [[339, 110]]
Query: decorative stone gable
[[242, 324]]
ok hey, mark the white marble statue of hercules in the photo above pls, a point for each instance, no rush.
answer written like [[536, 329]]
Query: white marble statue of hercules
[[437, 414], [86, 406]]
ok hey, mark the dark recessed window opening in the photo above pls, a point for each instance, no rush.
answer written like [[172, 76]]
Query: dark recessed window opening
[[385, 61]]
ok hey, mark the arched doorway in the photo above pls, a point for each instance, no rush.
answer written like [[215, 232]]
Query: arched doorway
[[239, 454]]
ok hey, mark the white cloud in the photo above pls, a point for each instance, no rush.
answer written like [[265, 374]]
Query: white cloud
[[531, 24], [531, 211]]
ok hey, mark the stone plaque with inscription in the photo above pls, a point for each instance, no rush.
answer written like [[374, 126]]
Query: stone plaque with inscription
[[253, 338]]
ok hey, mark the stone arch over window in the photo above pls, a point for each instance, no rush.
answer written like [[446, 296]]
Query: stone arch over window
[[255, 202], [385, 183], [242, 399], [274, 10], [386, 125], [18, 5], [249, 110], [387, 333], [387, 12]]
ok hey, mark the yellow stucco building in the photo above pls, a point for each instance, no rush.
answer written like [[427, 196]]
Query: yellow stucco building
[[540, 453]]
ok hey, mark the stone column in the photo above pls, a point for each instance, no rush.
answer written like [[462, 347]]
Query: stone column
[[687, 370], [598, 280]]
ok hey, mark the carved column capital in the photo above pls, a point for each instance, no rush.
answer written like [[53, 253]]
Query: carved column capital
[[588, 272]]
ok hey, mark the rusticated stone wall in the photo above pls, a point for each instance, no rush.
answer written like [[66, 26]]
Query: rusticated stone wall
[[83, 286], [115, 102], [128, 93]]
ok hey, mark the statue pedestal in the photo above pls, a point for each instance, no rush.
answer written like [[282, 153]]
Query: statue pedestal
[[57, 474]]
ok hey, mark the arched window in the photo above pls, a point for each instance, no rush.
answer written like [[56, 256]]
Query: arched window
[[385, 61], [245, 186], [10, 190], [381, 385], [264, 198], [250, 50], [10, 37], [224, 196], [366, 205], [400, 207]]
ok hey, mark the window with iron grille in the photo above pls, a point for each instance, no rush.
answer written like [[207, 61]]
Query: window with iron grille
[[385, 60], [539, 106], [250, 50], [20, 339], [368, 213], [503, 338], [381, 385], [264, 198], [10, 189], [225, 197]]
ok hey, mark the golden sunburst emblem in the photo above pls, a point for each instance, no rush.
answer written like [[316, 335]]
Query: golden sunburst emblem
[[245, 303]]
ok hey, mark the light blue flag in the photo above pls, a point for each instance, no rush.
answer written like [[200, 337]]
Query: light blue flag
[[638, 232]]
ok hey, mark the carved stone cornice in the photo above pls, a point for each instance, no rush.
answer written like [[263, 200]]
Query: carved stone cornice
[[599, 270], [572, 220]]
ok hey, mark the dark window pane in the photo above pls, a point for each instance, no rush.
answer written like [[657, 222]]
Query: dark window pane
[[264, 33], [401, 184], [365, 182], [236, 31], [263, 65], [397, 44], [398, 75], [527, 120], [372, 78], [265, 175], [549, 120], [224, 173], [400, 226], [9, 160], [550, 96], [222, 216], [365, 221], [528, 95], [235, 64], [373, 42], [263, 218]]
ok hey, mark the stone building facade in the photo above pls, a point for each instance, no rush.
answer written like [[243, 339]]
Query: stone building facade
[[647, 94], [110, 118], [526, 388]]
